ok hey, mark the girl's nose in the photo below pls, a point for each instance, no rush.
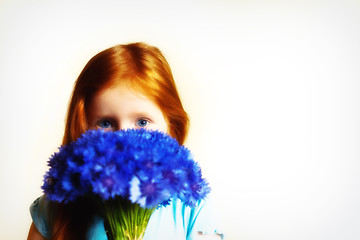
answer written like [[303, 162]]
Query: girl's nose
[[124, 125]]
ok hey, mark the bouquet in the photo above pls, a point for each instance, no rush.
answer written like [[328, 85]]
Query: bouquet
[[131, 172]]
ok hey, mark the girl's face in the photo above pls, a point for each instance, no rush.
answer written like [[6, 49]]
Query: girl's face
[[118, 108]]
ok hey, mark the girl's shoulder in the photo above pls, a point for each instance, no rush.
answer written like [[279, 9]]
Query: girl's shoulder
[[40, 213]]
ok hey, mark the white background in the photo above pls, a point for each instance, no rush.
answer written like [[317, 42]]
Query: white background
[[272, 88]]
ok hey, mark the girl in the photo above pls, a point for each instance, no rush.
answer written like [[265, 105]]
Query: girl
[[126, 86]]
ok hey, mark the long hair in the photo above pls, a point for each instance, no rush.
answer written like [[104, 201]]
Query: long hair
[[140, 67], [137, 65]]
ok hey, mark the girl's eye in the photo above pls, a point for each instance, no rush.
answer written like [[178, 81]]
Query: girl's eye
[[104, 124], [142, 123]]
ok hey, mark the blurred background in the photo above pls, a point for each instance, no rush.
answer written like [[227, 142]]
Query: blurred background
[[272, 89]]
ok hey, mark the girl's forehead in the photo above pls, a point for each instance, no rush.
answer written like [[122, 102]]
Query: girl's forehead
[[131, 84], [119, 93], [121, 97]]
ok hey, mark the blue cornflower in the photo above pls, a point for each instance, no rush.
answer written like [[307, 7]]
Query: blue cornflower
[[147, 167]]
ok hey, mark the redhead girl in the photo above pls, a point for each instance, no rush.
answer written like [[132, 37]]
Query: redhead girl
[[126, 86]]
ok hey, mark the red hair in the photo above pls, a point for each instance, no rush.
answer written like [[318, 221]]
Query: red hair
[[139, 66]]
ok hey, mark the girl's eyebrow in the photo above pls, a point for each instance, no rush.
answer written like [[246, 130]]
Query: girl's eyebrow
[[143, 114], [103, 116], [114, 118], [100, 117]]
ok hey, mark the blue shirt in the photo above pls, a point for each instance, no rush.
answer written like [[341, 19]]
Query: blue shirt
[[176, 222]]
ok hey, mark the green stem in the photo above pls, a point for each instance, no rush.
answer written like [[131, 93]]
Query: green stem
[[125, 220]]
